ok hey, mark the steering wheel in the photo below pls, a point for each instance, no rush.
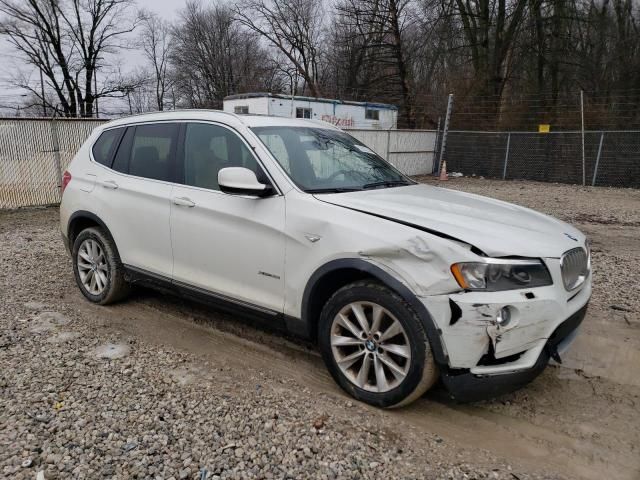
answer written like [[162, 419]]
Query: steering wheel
[[339, 172]]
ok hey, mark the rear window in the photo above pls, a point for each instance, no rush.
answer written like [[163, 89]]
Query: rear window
[[105, 145]]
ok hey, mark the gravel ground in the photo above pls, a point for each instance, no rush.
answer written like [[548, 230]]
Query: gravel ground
[[155, 388]]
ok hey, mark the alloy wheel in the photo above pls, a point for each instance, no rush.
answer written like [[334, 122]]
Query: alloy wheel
[[92, 266], [370, 346]]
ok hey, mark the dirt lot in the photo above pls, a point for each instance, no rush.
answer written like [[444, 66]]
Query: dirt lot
[[159, 388]]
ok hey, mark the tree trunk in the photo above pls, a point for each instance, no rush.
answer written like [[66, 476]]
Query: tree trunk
[[88, 95], [403, 71]]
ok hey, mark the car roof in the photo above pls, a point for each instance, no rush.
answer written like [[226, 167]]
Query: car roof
[[219, 116]]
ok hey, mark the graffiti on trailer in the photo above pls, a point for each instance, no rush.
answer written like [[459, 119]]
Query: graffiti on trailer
[[337, 121]]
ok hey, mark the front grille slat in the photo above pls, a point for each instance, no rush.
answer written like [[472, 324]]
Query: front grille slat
[[574, 265]]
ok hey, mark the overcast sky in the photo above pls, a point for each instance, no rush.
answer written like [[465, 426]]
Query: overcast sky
[[11, 62], [166, 8]]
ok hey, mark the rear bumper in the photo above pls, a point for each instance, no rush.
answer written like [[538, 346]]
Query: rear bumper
[[465, 386]]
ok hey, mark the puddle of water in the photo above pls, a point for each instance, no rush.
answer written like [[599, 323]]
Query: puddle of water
[[62, 337], [184, 376], [33, 305], [47, 321], [112, 351]]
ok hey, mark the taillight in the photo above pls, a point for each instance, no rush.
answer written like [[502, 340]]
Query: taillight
[[66, 178]]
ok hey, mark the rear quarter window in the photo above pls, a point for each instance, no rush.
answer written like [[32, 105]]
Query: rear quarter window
[[105, 146]]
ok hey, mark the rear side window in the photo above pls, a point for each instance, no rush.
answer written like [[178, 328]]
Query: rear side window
[[153, 151], [105, 146], [148, 151]]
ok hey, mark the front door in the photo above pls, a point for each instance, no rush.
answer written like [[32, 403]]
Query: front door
[[229, 245]]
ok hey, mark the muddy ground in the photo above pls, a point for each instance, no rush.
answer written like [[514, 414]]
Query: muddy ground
[[198, 389]]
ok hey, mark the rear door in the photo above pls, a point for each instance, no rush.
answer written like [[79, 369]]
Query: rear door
[[133, 196], [229, 245]]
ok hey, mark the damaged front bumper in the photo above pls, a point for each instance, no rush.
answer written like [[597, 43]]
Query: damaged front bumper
[[465, 386], [484, 358]]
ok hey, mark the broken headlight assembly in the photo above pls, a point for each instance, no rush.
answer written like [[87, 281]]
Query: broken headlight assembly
[[498, 274]]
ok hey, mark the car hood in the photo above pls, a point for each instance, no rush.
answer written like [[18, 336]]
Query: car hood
[[497, 228]]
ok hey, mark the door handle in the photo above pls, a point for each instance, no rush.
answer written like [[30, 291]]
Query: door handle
[[183, 202], [110, 184]]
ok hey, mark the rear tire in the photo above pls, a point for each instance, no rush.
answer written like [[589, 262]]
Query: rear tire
[[375, 345], [97, 267]]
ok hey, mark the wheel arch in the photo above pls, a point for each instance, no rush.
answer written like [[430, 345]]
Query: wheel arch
[[338, 273], [81, 220]]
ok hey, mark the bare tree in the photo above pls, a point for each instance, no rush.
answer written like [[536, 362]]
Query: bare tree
[[491, 28], [294, 27], [68, 40], [371, 46], [141, 98], [155, 39], [212, 57]]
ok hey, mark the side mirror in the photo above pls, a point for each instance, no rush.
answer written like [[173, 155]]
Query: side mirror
[[242, 181]]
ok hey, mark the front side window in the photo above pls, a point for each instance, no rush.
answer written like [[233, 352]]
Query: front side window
[[105, 145], [209, 148], [324, 160], [303, 112]]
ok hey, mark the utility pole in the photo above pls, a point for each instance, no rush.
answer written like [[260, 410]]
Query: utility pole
[[129, 100], [95, 91], [44, 103], [584, 173], [447, 119]]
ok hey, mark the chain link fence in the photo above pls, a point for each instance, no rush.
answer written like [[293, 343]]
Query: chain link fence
[[33, 155], [612, 158], [584, 138]]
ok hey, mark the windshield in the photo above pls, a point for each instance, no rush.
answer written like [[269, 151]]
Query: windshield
[[323, 160]]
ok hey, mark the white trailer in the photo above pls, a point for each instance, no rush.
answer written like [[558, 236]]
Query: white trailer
[[343, 114]]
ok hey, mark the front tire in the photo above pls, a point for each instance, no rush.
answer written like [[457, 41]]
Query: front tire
[[375, 345], [97, 267]]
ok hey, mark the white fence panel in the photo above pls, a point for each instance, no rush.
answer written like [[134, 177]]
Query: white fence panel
[[376, 140], [411, 151], [72, 135], [31, 159]]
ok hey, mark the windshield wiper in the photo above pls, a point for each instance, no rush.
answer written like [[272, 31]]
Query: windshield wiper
[[385, 183], [332, 190]]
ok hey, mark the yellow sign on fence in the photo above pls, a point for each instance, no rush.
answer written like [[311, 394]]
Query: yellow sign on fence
[[544, 128]]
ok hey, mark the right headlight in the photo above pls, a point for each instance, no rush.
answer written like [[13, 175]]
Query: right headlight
[[498, 275]]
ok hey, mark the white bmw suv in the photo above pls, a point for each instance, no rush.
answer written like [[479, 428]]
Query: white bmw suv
[[294, 221]]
